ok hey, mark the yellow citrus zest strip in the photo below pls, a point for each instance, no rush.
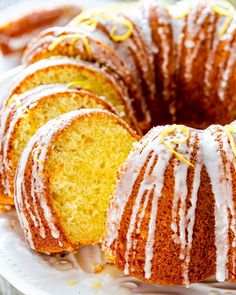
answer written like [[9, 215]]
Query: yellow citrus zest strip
[[230, 129], [184, 14], [86, 15], [170, 129], [75, 38], [224, 8], [92, 20], [126, 35], [225, 26]]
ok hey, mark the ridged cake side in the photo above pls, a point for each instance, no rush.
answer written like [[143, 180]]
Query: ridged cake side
[[172, 218], [180, 59], [43, 223], [25, 113]]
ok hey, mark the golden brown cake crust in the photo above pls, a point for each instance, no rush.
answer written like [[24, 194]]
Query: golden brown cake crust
[[40, 201], [172, 219], [13, 113]]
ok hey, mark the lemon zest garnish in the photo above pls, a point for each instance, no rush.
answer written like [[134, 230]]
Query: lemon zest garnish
[[75, 38], [92, 20], [224, 8], [184, 14], [86, 15], [126, 35], [229, 130], [170, 129], [225, 26]]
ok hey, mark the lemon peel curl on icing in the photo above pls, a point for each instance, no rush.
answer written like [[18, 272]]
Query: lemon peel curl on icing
[[224, 8], [75, 38], [169, 129]]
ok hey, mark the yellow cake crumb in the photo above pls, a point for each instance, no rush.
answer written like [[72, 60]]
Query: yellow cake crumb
[[71, 283], [97, 284], [98, 268]]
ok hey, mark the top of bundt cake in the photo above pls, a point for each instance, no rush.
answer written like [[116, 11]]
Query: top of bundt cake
[[176, 62]]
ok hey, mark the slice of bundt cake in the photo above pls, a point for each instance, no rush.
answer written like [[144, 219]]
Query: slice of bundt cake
[[65, 177], [25, 114], [77, 73], [172, 218], [83, 44]]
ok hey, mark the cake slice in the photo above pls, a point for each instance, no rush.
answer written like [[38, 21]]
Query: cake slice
[[65, 178], [77, 74], [25, 114], [81, 43]]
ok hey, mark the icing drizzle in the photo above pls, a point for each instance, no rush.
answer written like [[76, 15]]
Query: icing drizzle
[[213, 148]]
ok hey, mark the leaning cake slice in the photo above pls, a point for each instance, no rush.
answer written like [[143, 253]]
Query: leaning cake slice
[[65, 178], [25, 114]]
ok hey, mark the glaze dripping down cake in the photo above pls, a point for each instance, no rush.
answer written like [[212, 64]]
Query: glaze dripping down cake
[[171, 220], [177, 63], [61, 199]]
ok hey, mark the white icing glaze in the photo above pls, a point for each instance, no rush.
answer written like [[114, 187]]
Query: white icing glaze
[[180, 194], [220, 188], [211, 56], [164, 24], [195, 36], [129, 175], [38, 147], [212, 149], [135, 211], [226, 74]]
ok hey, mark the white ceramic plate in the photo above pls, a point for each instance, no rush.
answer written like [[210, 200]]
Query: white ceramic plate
[[67, 274]]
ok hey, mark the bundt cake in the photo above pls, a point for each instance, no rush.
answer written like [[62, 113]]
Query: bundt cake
[[172, 217], [22, 117], [65, 177], [177, 62]]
